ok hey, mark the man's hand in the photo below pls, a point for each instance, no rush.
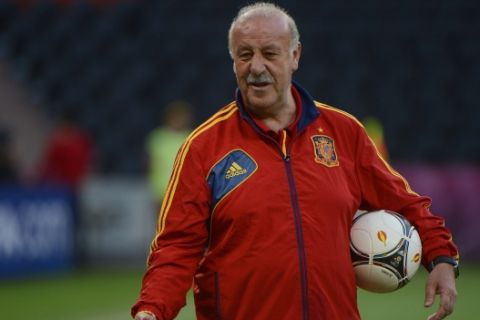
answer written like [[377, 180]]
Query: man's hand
[[441, 280], [145, 315]]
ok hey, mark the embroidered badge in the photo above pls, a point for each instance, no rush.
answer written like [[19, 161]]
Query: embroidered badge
[[324, 148]]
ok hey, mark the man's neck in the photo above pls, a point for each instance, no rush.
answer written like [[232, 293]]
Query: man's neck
[[280, 117], [281, 121]]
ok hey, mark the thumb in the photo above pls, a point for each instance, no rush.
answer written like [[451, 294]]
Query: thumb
[[429, 295]]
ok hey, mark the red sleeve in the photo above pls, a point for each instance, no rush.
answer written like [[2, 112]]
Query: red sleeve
[[384, 188], [180, 240]]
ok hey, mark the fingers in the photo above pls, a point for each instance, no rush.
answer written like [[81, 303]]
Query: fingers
[[447, 302], [429, 294], [439, 315], [144, 315], [196, 289]]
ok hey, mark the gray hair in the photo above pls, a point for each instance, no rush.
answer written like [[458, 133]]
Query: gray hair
[[264, 9]]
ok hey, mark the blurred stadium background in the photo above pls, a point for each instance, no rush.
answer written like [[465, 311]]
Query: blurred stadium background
[[413, 65]]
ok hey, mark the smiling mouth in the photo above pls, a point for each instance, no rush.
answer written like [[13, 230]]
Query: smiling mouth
[[259, 84]]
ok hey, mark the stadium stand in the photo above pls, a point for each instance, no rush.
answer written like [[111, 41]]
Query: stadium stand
[[414, 65]]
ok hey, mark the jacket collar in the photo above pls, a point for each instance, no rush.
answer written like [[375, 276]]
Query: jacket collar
[[309, 111]]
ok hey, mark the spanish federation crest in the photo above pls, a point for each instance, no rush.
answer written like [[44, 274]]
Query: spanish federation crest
[[324, 148]]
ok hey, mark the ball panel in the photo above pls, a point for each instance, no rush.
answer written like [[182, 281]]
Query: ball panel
[[383, 230], [414, 254], [363, 241], [375, 278]]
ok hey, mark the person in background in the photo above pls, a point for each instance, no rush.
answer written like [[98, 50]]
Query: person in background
[[66, 163], [259, 207], [375, 132], [163, 143], [68, 156]]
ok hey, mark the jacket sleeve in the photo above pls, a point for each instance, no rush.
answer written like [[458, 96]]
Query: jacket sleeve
[[384, 188], [180, 240]]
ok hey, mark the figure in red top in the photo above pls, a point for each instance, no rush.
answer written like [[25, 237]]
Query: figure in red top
[[68, 154]]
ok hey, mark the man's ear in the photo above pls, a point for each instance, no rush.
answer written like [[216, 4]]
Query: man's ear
[[297, 52]]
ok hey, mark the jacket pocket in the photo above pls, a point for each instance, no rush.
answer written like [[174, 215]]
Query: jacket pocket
[[207, 296]]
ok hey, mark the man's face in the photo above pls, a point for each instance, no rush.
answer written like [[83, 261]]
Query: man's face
[[262, 61]]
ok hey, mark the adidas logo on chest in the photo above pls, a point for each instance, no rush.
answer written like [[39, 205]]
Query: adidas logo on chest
[[235, 170]]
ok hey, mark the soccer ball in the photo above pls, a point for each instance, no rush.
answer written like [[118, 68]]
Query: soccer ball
[[386, 250]]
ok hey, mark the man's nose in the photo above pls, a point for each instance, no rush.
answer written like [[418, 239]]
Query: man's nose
[[257, 65]]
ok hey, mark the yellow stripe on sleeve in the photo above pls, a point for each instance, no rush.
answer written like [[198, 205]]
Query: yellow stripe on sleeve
[[389, 168]]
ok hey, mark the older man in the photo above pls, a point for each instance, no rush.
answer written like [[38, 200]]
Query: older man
[[260, 203]]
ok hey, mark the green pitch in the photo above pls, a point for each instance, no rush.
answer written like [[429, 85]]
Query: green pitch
[[108, 296]]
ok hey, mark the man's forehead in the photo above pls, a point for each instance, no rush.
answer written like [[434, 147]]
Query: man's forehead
[[262, 28]]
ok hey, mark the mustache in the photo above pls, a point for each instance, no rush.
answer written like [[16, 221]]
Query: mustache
[[261, 78]]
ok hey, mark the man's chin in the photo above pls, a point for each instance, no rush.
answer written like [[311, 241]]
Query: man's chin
[[257, 103]]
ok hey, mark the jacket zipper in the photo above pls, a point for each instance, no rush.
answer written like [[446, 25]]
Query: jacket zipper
[[297, 218], [299, 233]]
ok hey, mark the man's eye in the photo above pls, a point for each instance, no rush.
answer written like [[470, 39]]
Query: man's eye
[[245, 55]]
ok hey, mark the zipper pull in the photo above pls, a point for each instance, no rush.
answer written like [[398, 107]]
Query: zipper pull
[[286, 156]]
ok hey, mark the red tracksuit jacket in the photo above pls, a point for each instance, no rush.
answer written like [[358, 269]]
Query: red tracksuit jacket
[[263, 224]]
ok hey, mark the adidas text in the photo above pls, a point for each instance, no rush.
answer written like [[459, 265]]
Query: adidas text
[[230, 175]]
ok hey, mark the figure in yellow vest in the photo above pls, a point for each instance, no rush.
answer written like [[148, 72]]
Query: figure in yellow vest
[[164, 142], [375, 131]]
